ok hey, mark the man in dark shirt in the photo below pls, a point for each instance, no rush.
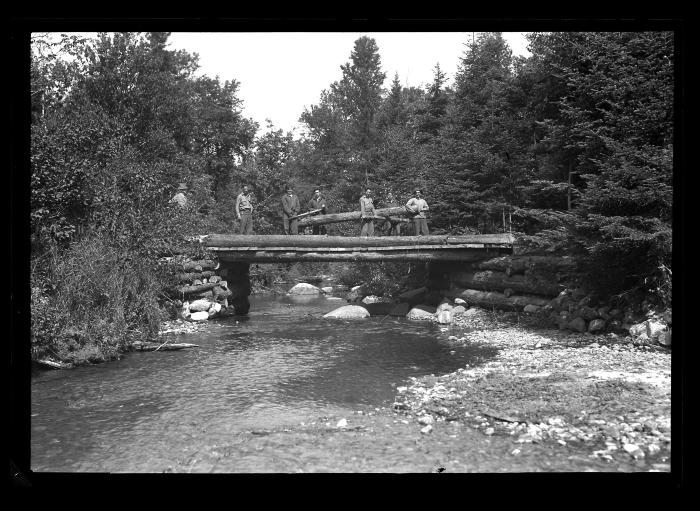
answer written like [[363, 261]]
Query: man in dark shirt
[[318, 202], [290, 208]]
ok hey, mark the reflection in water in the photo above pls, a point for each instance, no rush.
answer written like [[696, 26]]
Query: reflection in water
[[279, 366]]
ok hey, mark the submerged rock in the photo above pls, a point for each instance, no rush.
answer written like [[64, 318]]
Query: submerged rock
[[348, 312], [304, 289]]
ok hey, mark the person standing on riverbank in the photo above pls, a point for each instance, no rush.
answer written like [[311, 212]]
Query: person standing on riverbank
[[318, 202], [418, 207], [290, 208], [367, 214], [180, 198], [244, 210]]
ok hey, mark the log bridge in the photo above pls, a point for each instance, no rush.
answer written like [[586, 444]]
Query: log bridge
[[292, 248], [235, 253]]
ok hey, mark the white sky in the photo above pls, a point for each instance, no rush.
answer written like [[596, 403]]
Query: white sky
[[281, 73]]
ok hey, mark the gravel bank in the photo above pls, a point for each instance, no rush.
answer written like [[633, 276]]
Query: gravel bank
[[602, 396]]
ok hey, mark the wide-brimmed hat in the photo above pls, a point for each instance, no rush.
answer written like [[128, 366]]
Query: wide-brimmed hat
[[182, 186]]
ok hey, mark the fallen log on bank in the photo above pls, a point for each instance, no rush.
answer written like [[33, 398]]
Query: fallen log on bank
[[166, 346], [51, 364]]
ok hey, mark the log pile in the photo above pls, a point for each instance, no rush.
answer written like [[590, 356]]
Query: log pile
[[508, 282]]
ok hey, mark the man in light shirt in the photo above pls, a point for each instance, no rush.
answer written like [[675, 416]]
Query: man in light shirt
[[244, 210], [367, 214], [418, 206]]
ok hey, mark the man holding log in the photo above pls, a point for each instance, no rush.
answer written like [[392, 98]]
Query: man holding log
[[417, 207], [290, 208], [244, 211], [367, 214], [318, 204]]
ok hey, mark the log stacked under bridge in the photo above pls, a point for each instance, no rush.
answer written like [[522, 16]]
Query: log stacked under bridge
[[508, 282]]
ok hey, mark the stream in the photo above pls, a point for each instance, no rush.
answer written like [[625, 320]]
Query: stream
[[203, 409]]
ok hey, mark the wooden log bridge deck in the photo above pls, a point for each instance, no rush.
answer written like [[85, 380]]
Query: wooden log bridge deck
[[280, 248]]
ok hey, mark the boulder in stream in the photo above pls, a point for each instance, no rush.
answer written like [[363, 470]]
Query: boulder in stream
[[348, 312], [304, 289], [421, 313]]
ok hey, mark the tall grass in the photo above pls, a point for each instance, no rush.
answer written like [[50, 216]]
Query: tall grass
[[92, 300]]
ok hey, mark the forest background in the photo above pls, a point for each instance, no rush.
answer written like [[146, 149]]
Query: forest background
[[571, 149]]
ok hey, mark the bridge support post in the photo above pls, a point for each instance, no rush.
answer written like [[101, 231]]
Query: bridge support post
[[238, 279]]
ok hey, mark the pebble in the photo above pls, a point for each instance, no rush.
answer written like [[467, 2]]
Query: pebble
[[341, 423], [489, 431], [426, 429]]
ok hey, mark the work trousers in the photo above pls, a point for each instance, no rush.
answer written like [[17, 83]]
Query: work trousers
[[318, 229], [367, 227], [290, 226], [421, 226], [395, 229], [246, 222]]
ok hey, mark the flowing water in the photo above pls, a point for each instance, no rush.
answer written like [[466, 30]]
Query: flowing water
[[279, 367]]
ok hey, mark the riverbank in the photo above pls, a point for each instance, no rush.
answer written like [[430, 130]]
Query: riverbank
[[547, 392]]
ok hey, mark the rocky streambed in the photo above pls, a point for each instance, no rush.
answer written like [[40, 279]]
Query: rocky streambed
[[547, 391]]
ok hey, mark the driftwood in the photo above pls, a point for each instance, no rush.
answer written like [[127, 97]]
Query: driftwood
[[166, 346], [333, 218], [493, 299], [51, 364]]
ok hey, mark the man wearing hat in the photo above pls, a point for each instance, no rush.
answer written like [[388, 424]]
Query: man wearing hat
[[318, 202], [244, 210], [290, 207], [417, 206], [180, 198]]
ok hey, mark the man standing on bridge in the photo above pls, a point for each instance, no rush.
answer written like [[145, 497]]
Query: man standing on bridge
[[318, 202], [417, 206], [244, 211], [290, 208], [367, 214]]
